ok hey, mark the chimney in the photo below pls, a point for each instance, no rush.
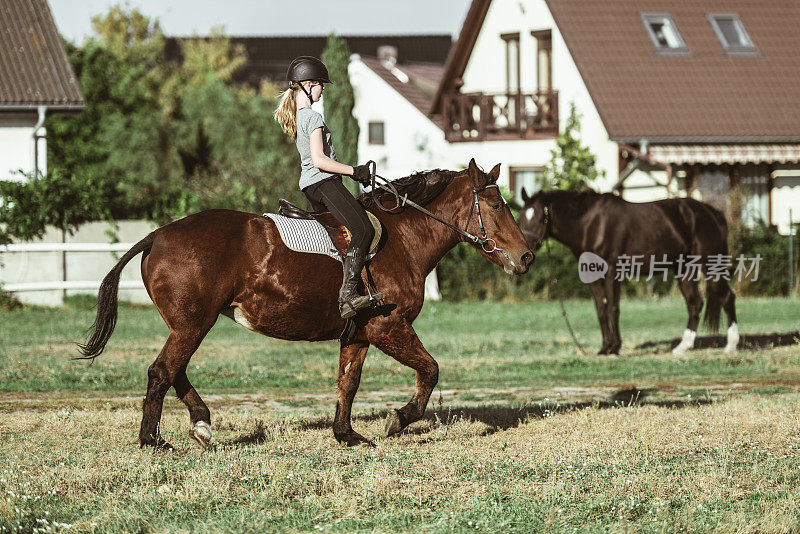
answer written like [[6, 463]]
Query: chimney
[[387, 54]]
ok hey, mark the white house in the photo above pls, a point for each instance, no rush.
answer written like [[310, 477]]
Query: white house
[[675, 98], [391, 105], [36, 79]]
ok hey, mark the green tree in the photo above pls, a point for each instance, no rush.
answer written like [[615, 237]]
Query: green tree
[[339, 101], [120, 138], [248, 161], [572, 166], [30, 206], [160, 139]]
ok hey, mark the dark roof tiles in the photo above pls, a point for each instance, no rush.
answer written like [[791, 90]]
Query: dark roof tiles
[[423, 79], [34, 67], [269, 57], [705, 95]]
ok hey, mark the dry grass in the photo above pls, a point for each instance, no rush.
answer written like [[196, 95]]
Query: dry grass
[[523, 433], [728, 465]]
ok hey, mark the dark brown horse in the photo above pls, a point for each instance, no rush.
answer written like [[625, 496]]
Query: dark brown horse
[[230, 263], [610, 227]]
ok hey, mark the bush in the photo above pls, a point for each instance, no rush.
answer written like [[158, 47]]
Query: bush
[[8, 302], [773, 271], [465, 274]]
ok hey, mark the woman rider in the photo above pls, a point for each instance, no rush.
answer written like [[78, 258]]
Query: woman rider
[[321, 174]]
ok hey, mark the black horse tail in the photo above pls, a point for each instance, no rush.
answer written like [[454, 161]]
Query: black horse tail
[[106, 318], [716, 289], [713, 306]]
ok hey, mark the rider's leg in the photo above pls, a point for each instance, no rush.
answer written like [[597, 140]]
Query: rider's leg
[[337, 199]]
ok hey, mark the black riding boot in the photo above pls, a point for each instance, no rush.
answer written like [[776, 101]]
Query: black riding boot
[[349, 299]]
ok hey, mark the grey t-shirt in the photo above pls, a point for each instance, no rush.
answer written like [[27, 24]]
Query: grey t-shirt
[[309, 120]]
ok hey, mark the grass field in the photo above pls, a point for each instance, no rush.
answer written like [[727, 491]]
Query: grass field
[[523, 433]]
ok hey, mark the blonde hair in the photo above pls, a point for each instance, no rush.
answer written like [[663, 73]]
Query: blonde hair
[[286, 112]]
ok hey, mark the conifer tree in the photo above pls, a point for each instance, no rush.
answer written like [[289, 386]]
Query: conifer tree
[[339, 100], [572, 166]]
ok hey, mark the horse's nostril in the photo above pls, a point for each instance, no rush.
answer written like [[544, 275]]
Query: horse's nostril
[[527, 258]]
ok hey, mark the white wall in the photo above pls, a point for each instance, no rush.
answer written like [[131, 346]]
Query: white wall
[[412, 142], [26, 267], [486, 72], [785, 194], [16, 145]]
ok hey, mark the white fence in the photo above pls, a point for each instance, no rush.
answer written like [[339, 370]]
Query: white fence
[[58, 265], [45, 272], [64, 248]]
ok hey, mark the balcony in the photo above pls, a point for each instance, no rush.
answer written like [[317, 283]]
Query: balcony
[[504, 116]]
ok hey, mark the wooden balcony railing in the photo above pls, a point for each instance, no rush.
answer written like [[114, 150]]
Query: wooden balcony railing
[[486, 117]]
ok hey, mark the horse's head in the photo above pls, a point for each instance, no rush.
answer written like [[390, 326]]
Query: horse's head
[[489, 217], [534, 220]]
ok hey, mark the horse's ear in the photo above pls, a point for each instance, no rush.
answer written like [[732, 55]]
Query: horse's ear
[[494, 174], [474, 173], [525, 197]]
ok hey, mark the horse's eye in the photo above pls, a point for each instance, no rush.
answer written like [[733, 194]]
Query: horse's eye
[[495, 207]]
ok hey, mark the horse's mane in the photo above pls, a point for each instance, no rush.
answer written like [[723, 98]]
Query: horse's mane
[[574, 202], [421, 187]]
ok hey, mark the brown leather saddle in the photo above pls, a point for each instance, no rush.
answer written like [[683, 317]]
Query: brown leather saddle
[[340, 236]]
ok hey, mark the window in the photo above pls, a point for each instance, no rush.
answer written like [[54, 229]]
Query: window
[[375, 133], [523, 177], [512, 62], [731, 33], [664, 33], [544, 53]]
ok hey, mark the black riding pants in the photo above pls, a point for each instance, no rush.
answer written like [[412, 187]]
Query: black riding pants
[[330, 194]]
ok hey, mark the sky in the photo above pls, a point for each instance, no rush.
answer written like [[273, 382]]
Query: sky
[[274, 17]]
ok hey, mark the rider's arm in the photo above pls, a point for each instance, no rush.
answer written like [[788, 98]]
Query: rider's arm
[[323, 162]]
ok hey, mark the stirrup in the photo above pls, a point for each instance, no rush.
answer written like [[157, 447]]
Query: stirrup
[[349, 308]]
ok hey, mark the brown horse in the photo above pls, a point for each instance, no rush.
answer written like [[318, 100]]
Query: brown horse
[[221, 262]]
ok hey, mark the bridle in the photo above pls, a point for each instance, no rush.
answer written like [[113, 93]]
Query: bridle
[[487, 244], [546, 231]]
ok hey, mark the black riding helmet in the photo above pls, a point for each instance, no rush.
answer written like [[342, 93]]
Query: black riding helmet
[[305, 68]]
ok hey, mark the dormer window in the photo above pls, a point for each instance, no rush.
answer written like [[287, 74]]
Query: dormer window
[[731, 33], [664, 34]]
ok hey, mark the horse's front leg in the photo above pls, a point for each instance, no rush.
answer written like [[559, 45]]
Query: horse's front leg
[[613, 289], [601, 303], [351, 360], [398, 340]]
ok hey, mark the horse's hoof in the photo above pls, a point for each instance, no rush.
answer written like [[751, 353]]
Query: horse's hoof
[[201, 433], [158, 444], [354, 439], [393, 424]]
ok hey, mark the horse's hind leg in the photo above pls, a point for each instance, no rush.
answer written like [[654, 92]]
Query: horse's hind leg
[[694, 304], [401, 343], [729, 305], [171, 361], [198, 411], [351, 360]]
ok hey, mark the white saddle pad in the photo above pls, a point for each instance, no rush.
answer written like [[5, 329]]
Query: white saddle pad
[[304, 235]]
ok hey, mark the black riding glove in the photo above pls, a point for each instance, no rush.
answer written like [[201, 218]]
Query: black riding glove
[[362, 175]]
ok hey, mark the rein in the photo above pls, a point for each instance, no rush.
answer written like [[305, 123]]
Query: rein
[[546, 240], [483, 240]]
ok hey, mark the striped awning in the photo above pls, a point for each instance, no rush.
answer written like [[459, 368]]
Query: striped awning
[[740, 153]]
